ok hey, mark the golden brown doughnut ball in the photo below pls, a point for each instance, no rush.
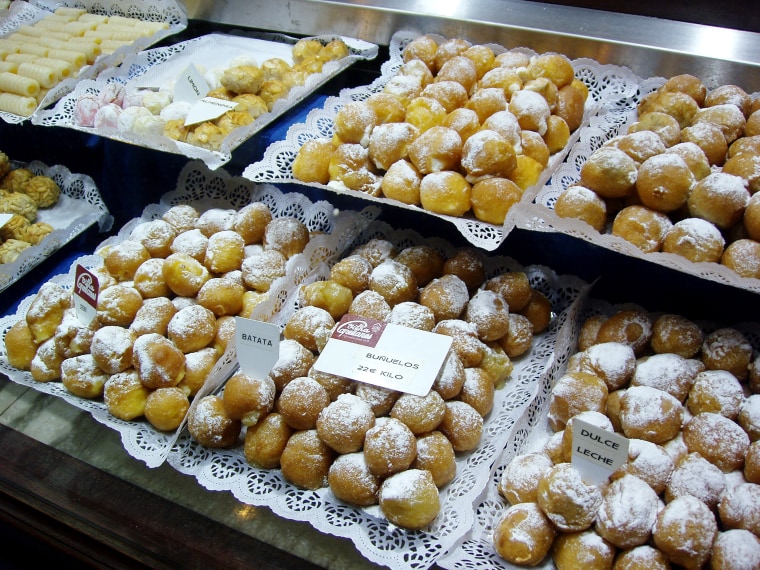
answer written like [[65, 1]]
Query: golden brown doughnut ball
[[334, 384], [423, 48], [648, 462], [735, 548], [182, 217], [749, 416], [72, 337], [436, 455], [523, 535], [450, 94], [668, 372], [248, 398], [539, 311], [518, 482], [752, 463], [465, 342], [743, 257], [370, 304], [567, 500], [209, 424], [664, 182], [262, 268], [642, 226], [251, 221], [650, 414], [122, 259], [380, 399], [727, 349], [573, 393], [639, 145], [352, 272], [158, 361], [487, 153], [421, 414], [351, 481], [329, 295], [390, 143], [519, 338], [726, 116], [466, 263], [410, 499], [747, 167], [458, 68], [462, 425], [496, 363], [294, 360], [353, 122], [111, 348], [156, 235], [118, 305], [20, 346], [676, 334], [462, 120], [709, 137], [46, 364], [694, 156], [684, 532], [609, 172], [583, 204], [451, 378], [198, 366], [486, 101], [221, 296], [689, 84], [514, 286], [531, 109], [301, 401], [388, 109], [664, 125], [184, 274], [389, 447], [344, 422], [413, 315], [149, 279], [415, 69], [489, 312], [215, 220], [644, 557], [394, 281], [376, 250], [718, 439], [425, 113], [306, 460], [287, 235], [613, 362], [224, 251], [191, 242], [678, 104], [125, 396], [153, 316], [312, 161], [739, 507], [729, 94], [582, 549], [629, 326], [628, 512], [748, 144], [695, 239], [425, 262], [165, 408], [192, 328], [81, 376], [717, 392], [265, 441], [311, 326], [587, 336], [437, 149]]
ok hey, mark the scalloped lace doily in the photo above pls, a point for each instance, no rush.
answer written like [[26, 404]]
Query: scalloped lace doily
[[21, 12], [165, 64], [376, 539], [79, 207], [478, 551], [606, 83], [540, 216], [204, 189]]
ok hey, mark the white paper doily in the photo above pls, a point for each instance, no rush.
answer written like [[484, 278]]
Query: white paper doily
[[377, 540], [605, 82], [478, 550], [22, 12], [203, 189], [79, 207], [540, 215], [165, 64]]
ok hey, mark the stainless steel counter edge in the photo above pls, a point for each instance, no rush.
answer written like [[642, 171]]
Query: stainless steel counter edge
[[648, 46]]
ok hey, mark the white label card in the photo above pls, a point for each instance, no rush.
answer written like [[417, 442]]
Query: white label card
[[597, 453], [384, 354], [257, 345], [208, 109], [190, 85], [4, 219]]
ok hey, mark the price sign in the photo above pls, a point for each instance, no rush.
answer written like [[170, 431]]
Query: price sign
[[384, 354], [597, 453], [85, 296]]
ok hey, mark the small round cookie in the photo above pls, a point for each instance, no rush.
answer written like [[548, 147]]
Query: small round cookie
[[734, 549], [583, 204], [609, 172], [629, 326], [125, 396], [743, 257], [573, 393], [642, 226], [567, 500], [697, 477], [684, 532], [650, 414], [627, 513], [523, 535], [719, 198], [118, 305], [436, 454], [729, 349], [165, 408], [410, 499], [518, 482], [159, 363], [344, 422], [306, 460], [695, 239], [351, 481]]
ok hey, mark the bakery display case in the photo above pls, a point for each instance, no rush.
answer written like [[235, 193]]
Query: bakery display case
[[105, 490]]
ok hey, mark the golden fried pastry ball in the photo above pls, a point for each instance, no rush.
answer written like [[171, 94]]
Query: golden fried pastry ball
[[328, 295], [450, 94], [694, 156], [402, 182], [573, 393], [125, 396], [301, 401], [14, 179], [695, 239], [567, 500], [158, 362], [248, 398], [583, 204], [43, 190], [650, 414], [209, 424], [709, 137], [350, 480], [523, 534], [531, 109], [518, 482], [192, 328], [487, 154], [81, 376], [153, 316], [689, 84], [609, 172], [306, 460], [642, 226], [390, 143], [416, 69], [747, 167], [718, 439], [582, 549], [287, 235], [118, 305], [165, 408], [242, 78], [122, 259], [436, 455], [354, 121], [410, 499], [743, 257], [729, 94], [664, 125], [628, 512], [727, 349], [20, 346], [684, 532], [486, 101], [423, 48], [462, 425], [437, 149], [266, 440], [388, 108], [493, 197], [311, 326], [664, 182], [47, 310], [198, 366], [678, 104], [726, 116]]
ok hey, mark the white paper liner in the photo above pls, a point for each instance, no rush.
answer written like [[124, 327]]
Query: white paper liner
[[79, 207], [605, 82], [478, 550], [540, 216], [21, 13], [163, 65], [377, 539], [203, 189]]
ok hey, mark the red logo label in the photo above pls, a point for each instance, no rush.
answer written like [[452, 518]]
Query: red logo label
[[86, 286], [359, 330]]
